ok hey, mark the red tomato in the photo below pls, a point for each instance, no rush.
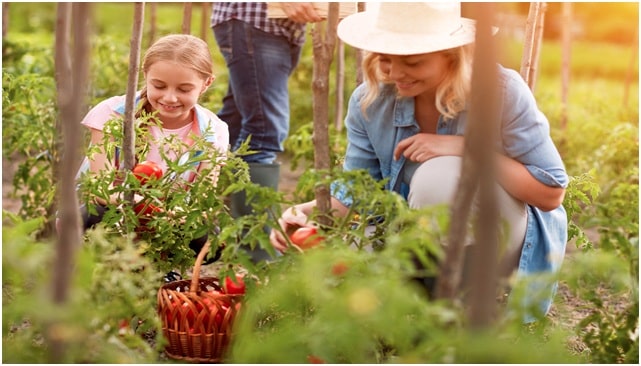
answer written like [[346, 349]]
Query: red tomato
[[314, 359], [306, 237], [123, 327], [190, 317], [146, 209], [339, 268], [173, 303], [147, 170], [234, 288]]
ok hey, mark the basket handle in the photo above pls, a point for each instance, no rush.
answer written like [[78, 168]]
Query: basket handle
[[196, 272]]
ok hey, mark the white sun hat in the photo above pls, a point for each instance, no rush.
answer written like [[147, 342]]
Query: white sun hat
[[398, 28]]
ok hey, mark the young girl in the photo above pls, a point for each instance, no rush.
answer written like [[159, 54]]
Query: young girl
[[406, 123], [177, 70]]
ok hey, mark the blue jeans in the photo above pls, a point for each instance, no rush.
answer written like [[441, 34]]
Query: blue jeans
[[257, 100]]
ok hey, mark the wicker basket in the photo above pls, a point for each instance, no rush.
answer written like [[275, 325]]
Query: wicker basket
[[197, 317]]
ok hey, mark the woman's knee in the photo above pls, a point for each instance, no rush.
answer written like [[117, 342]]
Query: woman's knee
[[434, 182]]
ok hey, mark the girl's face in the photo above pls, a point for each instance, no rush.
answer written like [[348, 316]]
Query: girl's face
[[173, 90], [415, 74]]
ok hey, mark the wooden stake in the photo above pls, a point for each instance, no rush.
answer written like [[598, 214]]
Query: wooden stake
[[323, 47], [186, 26]]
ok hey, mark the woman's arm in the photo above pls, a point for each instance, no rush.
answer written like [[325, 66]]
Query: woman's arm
[[520, 183], [512, 175]]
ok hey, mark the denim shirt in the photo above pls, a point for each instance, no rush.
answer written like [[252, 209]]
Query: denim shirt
[[524, 136]]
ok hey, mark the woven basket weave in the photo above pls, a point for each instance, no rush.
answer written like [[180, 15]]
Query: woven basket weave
[[197, 317]]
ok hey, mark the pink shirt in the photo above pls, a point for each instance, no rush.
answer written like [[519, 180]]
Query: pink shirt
[[204, 119]]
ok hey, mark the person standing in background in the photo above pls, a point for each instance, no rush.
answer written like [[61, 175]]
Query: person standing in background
[[261, 53]]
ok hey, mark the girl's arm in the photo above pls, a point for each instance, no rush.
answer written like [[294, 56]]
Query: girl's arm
[[99, 162]]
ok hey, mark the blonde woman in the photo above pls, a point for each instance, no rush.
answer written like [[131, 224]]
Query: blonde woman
[[406, 122]]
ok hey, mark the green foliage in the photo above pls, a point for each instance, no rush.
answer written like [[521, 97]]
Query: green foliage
[[358, 303], [29, 116], [112, 283], [580, 194], [610, 329]]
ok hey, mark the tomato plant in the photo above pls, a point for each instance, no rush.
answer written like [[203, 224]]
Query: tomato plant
[[146, 171], [306, 237]]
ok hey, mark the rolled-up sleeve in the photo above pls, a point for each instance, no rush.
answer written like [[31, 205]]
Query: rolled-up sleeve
[[360, 153], [525, 133]]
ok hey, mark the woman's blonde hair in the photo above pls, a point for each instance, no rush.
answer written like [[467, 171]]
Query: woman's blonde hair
[[184, 49], [451, 94]]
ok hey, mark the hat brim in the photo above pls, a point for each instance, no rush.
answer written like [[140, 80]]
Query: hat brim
[[358, 30]]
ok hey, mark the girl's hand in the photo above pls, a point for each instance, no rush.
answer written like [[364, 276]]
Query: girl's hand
[[292, 219], [424, 146]]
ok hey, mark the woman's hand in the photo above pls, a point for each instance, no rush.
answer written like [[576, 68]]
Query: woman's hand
[[424, 146], [292, 219], [301, 12]]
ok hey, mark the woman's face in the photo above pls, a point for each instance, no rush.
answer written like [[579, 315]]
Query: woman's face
[[415, 74], [173, 90]]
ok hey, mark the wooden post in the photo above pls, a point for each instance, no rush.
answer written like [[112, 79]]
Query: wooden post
[[5, 18], [204, 21], [484, 115], [477, 153], [128, 145], [186, 26], [340, 86], [323, 48], [72, 96]]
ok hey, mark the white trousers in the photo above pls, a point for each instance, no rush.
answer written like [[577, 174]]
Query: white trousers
[[435, 182]]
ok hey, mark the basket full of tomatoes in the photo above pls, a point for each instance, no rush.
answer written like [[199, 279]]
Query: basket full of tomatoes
[[197, 315]]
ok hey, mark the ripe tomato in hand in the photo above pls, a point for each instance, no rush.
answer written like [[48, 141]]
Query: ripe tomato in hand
[[306, 237], [147, 170], [234, 288]]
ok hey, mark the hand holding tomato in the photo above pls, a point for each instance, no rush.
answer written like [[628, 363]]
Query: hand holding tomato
[[306, 237], [146, 171]]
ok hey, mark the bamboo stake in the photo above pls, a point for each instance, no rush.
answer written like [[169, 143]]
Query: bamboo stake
[[537, 42], [530, 42], [323, 48]]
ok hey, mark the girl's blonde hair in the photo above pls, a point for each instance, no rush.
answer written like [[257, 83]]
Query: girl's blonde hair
[[184, 49], [451, 94]]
